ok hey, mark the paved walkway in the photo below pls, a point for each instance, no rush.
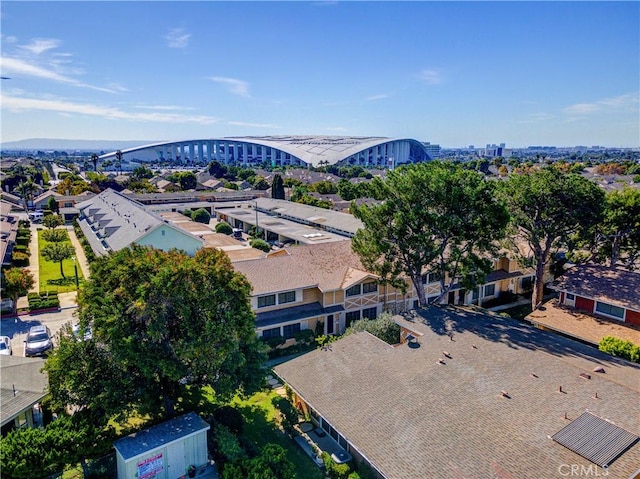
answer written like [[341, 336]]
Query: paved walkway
[[66, 299]]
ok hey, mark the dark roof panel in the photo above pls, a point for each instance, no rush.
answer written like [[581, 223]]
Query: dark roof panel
[[595, 439]]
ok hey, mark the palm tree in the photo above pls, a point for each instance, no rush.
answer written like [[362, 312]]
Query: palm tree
[[94, 159], [119, 158], [26, 189]]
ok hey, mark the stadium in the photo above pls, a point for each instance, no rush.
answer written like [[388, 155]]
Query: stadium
[[301, 151]]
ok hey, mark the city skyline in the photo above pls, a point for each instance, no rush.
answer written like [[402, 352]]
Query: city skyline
[[451, 73]]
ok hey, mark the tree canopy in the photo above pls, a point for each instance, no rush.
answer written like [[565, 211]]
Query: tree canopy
[[548, 209], [435, 217], [619, 231], [277, 187], [17, 282], [161, 321]]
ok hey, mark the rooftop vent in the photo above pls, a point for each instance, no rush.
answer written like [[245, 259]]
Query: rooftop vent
[[585, 376]]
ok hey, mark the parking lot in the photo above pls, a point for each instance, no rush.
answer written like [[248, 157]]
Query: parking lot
[[18, 327]]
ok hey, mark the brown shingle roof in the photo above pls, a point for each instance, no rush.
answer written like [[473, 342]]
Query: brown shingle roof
[[324, 265], [611, 285], [414, 417]]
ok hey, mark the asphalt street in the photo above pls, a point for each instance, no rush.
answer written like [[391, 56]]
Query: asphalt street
[[17, 327]]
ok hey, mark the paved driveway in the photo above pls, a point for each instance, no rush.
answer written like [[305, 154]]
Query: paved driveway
[[18, 327]]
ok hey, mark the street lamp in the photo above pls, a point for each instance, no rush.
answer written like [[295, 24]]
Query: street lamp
[[75, 269]]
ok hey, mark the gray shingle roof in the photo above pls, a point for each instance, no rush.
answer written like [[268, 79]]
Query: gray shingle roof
[[414, 417], [23, 384], [160, 435]]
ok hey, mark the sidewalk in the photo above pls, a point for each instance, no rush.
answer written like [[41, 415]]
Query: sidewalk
[[66, 299]]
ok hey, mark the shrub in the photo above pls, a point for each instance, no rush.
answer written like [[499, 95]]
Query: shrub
[[226, 444], [274, 341], [201, 216], [383, 327], [229, 417], [304, 336], [21, 248], [23, 240], [335, 471], [19, 259], [224, 228], [55, 236], [188, 213], [43, 300], [260, 244], [289, 415], [620, 348]]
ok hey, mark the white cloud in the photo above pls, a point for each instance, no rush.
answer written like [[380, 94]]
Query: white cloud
[[19, 67], [40, 45], [626, 102], [177, 38], [20, 104], [164, 107], [377, 97], [238, 87], [431, 76]]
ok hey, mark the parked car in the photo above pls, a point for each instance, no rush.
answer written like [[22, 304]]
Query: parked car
[[36, 216], [5, 346], [86, 335], [39, 341]]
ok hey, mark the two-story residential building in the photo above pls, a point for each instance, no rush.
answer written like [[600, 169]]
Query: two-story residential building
[[110, 221], [298, 287]]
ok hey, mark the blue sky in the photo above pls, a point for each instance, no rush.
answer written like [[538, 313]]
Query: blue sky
[[451, 73]]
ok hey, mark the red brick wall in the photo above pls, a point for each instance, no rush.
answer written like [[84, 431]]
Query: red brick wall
[[633, 317]]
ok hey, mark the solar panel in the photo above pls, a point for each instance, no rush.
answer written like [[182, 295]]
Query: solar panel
[[595, 439]]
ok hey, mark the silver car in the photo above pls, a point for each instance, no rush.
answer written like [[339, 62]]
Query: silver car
[[38, 342], [5, 346]]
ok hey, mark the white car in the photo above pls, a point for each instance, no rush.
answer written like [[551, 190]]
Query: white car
[[86, 335], [5, 346]]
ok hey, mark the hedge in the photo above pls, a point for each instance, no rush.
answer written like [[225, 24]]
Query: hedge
[[19, 259], [43, 300], [620, 348]]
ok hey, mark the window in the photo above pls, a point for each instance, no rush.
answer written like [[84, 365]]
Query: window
[[350, 317], [271, 333], [571, 297], [475, 294], [489, 290], [288, 297], [610, 310], [290, 330], [370, 313], [354, 290], [268, 300], [369, 288]]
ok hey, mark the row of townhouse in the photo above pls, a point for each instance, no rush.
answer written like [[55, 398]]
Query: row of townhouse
[[294, 288], [297, 288]]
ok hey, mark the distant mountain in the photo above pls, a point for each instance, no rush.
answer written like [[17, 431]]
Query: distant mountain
[[72, 145]]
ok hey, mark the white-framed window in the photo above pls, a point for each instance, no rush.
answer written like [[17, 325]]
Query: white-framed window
[[266, 300], [610, 310], [290, 330], [570, 297], [489, 290], [287, 297], [370, 313], [271, 333], [371, 287], [430, 278], [350, 317], [354, 290]]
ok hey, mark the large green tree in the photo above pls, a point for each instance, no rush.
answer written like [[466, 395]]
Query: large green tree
[[435, 217], [16, 282], [619, 231], [162, 321], [57, 253], [549, 209], [277, 187]]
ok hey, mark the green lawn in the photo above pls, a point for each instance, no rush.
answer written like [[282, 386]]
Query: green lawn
[[261, 426], [49, 272]]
